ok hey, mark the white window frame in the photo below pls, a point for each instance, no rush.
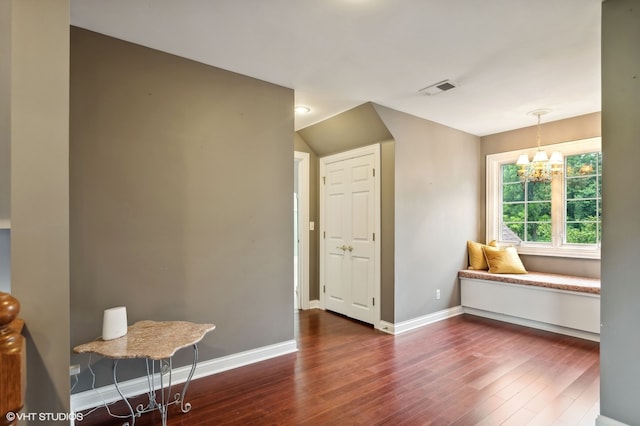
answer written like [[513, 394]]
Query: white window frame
[[494, 200]]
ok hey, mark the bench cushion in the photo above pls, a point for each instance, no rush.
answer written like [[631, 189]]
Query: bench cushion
[[540, 279]]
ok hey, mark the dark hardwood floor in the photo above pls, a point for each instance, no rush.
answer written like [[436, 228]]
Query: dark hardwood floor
[[464, 370]]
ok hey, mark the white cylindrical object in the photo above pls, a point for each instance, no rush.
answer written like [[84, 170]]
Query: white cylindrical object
[[114, 323]]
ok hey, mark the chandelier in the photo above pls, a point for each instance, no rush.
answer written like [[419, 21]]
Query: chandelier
[[541, 168]]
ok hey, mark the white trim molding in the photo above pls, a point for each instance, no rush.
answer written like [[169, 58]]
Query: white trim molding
[[315, 304], [106, 394], [385, 326], [302, 162], [414, 323], [606, 421]]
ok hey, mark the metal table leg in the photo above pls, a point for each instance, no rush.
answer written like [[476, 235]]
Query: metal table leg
[[165, 393], [115, 381]]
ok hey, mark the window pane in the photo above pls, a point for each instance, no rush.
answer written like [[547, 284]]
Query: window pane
[[513, 192], [539, 212], [526, 208], [582, 210], [539, 232], [582, 187], [539, 191], [583, 232], [513, 232], [583, 164], [513, 212], [510, 173]]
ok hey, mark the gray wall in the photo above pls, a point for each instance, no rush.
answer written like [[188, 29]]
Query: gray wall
[[571, 129], [437, 190], [387, 229], [40, 193], [359, 126], [620, 312], [181, 185]]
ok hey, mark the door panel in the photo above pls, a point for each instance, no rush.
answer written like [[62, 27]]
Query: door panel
[[349, 246], [335, 293], [360, 226], [361, 297]]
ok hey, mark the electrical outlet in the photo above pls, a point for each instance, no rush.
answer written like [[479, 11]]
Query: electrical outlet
[[74, 369], [438, 293]]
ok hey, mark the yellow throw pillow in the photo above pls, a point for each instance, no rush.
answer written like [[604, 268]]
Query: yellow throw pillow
[[476, 256], [503, 261]]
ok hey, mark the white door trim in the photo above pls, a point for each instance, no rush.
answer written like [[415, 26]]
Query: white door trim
[[301, 160], [358, 152]]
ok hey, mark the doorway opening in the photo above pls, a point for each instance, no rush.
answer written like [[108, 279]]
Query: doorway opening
[[301, 230]]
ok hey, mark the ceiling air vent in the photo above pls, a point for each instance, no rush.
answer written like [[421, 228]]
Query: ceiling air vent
[[434, 89]]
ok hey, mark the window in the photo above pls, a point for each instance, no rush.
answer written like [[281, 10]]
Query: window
[[526, 208], [583, 201], [558, 218]]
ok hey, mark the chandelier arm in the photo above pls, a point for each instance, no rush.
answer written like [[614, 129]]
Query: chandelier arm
[[538, 132]]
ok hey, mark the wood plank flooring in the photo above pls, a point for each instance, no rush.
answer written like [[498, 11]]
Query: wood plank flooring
[[464, 370]]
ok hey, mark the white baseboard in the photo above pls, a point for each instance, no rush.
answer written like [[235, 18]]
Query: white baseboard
[[385, 326], [315, 304], [414, 323], [92, 398], [533, 324], [606, 421]]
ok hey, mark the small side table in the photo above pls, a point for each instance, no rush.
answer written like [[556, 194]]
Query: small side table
[[156, 341]]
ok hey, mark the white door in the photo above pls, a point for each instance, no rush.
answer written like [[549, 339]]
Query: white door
[[350, 209]]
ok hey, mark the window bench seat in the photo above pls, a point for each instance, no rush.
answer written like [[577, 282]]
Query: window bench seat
[[559, 303]]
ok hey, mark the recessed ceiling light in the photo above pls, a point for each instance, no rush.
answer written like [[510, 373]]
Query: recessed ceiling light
[[301, 109]]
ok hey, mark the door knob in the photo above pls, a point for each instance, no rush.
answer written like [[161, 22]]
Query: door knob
[[350, 248]]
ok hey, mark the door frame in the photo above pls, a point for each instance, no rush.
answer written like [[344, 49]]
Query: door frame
[[354, 153], [302, 162]]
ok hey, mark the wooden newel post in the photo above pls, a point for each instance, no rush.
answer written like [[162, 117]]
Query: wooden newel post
[[12, 359]]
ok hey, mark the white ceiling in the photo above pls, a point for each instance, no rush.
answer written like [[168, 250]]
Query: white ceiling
[[507, 57]]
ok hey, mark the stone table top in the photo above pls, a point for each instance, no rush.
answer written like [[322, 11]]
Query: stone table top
[[149, 339]]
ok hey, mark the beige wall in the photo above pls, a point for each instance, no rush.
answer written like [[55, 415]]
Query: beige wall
[[5, 109], [437, 187], [181, 185], [571, 129], [620, 315], [40, 193]]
